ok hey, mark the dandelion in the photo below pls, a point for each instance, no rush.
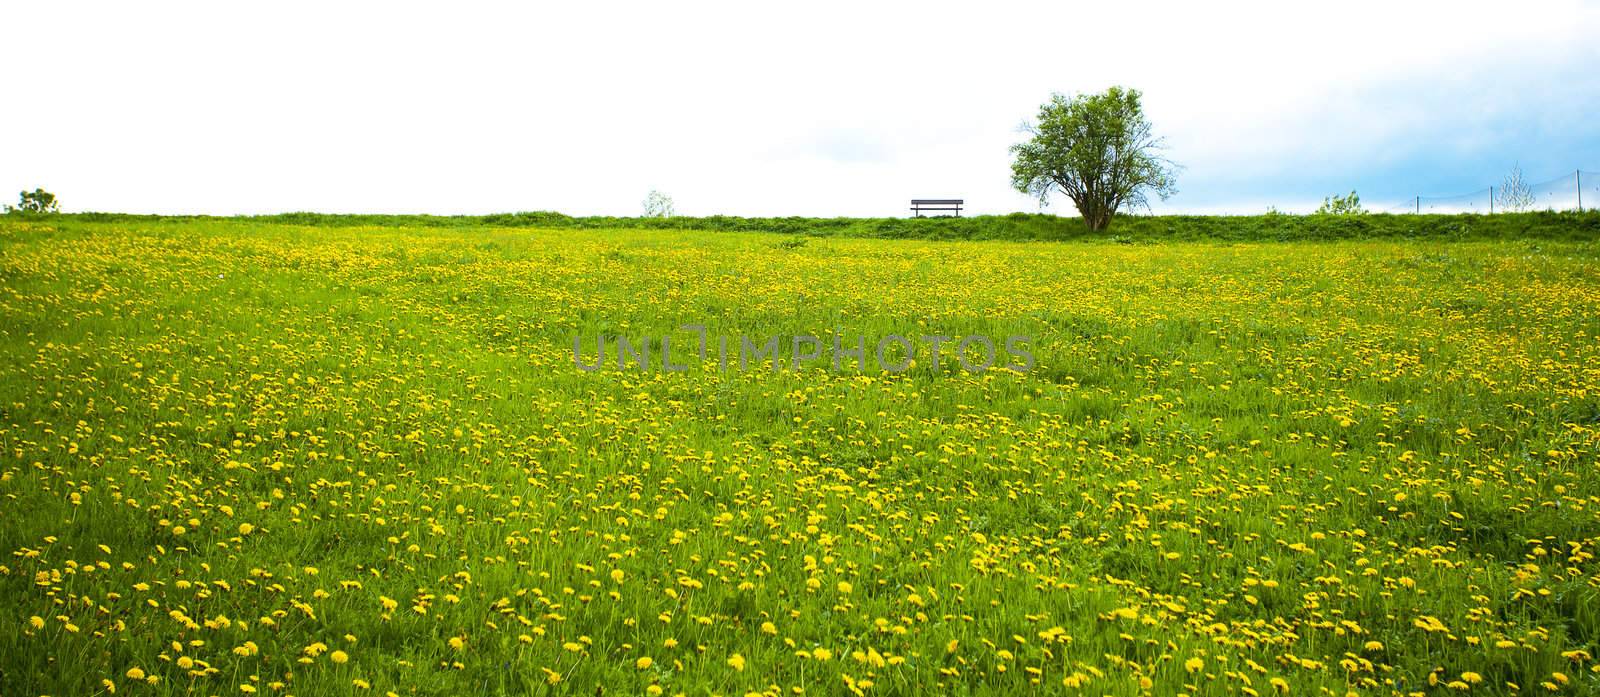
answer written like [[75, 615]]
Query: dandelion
[[1192, 429]]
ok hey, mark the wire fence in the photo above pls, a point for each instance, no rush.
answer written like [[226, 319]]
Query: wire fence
[[1579, 190]]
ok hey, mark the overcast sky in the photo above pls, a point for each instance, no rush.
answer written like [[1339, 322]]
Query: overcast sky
[[753, 108]]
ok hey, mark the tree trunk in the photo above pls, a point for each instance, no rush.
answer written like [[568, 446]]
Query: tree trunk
[[1097, 218], [1096, 214]]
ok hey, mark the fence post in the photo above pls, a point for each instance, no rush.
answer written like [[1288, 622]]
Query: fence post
[[1491, 200], [1419, 205], [1579, 174]]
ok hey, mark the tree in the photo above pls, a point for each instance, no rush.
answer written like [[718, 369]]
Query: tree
[[1514, 194], [1341, 205], [36, 201], [1098, 150], [657, 205]]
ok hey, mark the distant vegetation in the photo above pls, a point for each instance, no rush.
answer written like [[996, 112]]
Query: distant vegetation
[[658, 205], [36, 201], [1341, 205], [1514, 194], [1015, 226]]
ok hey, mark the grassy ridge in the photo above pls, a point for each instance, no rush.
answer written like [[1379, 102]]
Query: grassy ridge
[[1015, 226]]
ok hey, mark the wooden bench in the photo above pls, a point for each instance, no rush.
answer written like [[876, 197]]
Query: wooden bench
[[947, 205]]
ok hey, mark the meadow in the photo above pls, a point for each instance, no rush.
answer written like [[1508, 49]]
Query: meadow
[[282, 457]]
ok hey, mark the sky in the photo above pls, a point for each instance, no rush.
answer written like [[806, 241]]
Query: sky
[[758, 109]]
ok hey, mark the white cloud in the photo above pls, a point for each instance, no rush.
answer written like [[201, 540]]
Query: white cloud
[[745, 108]]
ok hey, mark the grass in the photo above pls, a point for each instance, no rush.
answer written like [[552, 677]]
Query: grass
[[354, 456], [1016, 226]]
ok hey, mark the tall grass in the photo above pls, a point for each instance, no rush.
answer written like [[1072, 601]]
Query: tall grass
[[272, 457]]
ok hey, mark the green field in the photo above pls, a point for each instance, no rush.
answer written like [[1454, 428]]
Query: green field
[[262, 457]]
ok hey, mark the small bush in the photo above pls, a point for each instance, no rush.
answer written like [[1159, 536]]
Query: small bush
[[1341, 205], [36, 201]]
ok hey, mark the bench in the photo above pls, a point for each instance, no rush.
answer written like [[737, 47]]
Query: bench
[[947, 205]]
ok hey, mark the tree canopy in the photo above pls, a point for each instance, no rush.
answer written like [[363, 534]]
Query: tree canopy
[[1098, 150]]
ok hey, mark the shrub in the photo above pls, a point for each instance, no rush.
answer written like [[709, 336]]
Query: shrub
[[1341, 205], [36, 201]]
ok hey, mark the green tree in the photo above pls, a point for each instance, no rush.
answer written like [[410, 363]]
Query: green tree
[[1098, 150], [36, 201], [1341, 205]]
